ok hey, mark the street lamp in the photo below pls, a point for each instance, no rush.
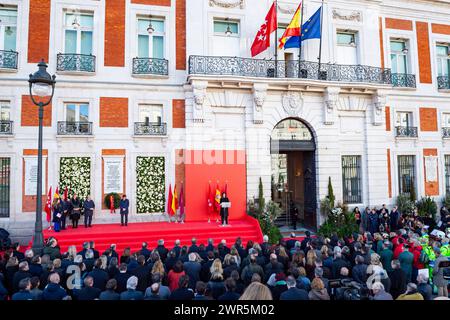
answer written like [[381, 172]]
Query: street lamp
[[42, 85]]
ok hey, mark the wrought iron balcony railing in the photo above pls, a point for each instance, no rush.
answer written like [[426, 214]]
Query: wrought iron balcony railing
[[403, 80], [247, 67], [8, 59], [70, 62], [150, 66], [446, 132], [67, 128], [150, 129], [406, 132], [6, 127], [443, 82]]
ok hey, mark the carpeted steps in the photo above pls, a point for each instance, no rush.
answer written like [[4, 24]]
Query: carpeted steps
[[132, 236]]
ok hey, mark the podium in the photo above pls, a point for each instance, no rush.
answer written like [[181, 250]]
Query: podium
[[225, 204]]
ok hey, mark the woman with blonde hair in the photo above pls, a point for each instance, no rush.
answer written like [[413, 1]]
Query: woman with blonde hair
[[298, 260], [234, 252], [283, 257], [158, 268], [256, 291], [215, 284], [310, 263], [318, 291], [71, 253], [375, 264], [104, 260]]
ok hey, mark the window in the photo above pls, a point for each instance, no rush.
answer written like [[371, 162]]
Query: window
[[150, 113], [5, 181], [443, 59], [406, 174], [226, 38], [404, 119], [447, 173], [151, 34], [77, 112], [8, 28], [347, 51], [5, 111], [351, 179], [78, 30], [446, 120], [399, 53]]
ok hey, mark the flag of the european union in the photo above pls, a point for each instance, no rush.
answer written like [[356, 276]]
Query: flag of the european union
[[310, 30]]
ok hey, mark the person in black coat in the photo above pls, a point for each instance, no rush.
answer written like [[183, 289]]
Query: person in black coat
[[398, 279], [88, 207], [183, 292], [293, 210], [110, 292], [122, 278], [99, 275], [162, 250], [57, 214], [67, 209], [21, 274], [144, 251], [293, 293], [124, 209], [89, 292], [142, 272], [76, 211], [24, 291], [230, 294], [16, 252], [224, 211]]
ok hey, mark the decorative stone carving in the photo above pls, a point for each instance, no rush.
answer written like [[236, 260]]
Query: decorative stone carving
[[347, 15], [331, 98], [259, 96], [379, 102], [227, 3], [292, 103], [286, 9], [199, 92]]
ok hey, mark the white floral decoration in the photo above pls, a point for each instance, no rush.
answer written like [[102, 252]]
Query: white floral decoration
[[150, 184], [75, 174]]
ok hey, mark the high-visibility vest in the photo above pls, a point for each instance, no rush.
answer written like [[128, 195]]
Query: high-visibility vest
[[445, 250]]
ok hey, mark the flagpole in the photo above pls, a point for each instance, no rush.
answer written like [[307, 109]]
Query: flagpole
[[320, 45], [300, 40], [276, 39]]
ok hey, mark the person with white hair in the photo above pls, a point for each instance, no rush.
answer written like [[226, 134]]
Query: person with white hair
[[53, 290], [192, 269], [338, 262], [131, 293], [424, 287], [411, 293], [379, 292]]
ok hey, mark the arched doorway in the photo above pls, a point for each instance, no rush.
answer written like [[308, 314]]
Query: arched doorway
[[292, 148]]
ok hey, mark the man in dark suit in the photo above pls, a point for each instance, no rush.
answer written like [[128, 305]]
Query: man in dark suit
[[99, 275], [122, 278], [291, 242], [92, 247], [124, 208], [163, 251], [89, 260], [305, 241], [293, 293], [144, 251], [89, 292], [110, 292], [21, 274], [183, 292], [193, 247], [16, 253], [177, 248], [142, 272], [230, 294], [210, 246], [192, 269], [86, 247], [131, 293]]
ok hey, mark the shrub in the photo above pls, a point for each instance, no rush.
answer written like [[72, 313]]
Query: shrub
[[331, 196], [404, 204], [261, 200], [446, 201], [426, 206], [116, 198], [266, 219]]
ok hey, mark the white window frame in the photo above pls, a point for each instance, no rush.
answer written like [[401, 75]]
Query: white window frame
[[151, 105], [3, 27], [400, 54], [78, 30], [443, 58], [446, 119], [398, 123], [3, 104], [229, 21], [155, 33], [77, 110]]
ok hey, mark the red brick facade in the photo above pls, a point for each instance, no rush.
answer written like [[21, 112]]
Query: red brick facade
[[180, 34], [29, 114], [423, 45], [178, 113], [113, 112], [38, 30], [428, 119], [440, 28], [387, 111], [399, 24], [115, 33], [165, 3]]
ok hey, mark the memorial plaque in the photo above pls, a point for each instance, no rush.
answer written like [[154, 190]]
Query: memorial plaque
[[113, 175], [31, 166]]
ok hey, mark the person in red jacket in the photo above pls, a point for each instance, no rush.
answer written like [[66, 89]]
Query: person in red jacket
[[416, 250], [399, 248]]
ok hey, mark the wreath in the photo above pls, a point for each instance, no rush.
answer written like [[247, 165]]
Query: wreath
[[116, 198]]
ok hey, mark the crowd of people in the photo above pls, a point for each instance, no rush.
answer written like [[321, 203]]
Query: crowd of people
[[397, 260]]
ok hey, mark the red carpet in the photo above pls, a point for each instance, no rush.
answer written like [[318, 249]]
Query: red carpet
[[132, 236]]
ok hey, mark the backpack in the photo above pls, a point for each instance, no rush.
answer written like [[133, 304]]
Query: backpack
[[423, 258]]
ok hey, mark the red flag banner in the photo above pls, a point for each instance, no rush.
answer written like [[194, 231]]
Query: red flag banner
[[181, 202], [169, 202], [210, 200], [262, 39], [217, 199], [48, 205]]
